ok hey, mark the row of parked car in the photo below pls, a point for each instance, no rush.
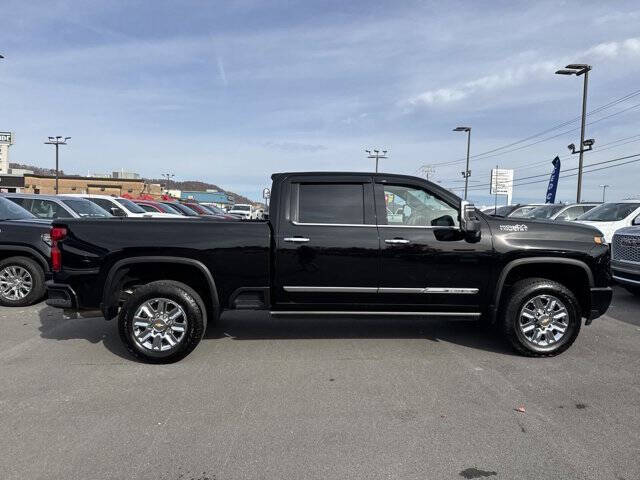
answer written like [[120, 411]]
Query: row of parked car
[[90, 205]]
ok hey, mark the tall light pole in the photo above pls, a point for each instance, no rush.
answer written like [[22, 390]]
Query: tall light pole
[[57, 141], [377, 155], [604, 190], [578, 69], [467, 173]]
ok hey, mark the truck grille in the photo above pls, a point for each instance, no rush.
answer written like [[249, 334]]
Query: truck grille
[[626, 248]]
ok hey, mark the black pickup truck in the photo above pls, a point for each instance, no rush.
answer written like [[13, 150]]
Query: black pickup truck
[[24, 255], [335, 244]]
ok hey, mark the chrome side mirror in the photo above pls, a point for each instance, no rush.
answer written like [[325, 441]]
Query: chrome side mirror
[[469, 222]]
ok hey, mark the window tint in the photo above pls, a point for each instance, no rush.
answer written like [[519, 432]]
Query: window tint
[[413, 207], [129, 205], [146, 207], [331, 203], [48, 209], [12, 211], [85, 208]]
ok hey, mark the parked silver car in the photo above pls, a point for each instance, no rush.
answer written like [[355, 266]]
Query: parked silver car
[[53, 206]]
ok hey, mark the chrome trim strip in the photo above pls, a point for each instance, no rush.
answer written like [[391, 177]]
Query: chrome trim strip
[[449, 290], [348, 312], [446, 290], [622, 279], [301, 224], [331, 289], [296, 239]]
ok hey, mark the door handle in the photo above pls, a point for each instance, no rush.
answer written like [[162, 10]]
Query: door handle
[[395, 241], [296, 239]]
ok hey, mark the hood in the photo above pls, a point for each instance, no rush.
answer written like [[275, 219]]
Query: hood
[[531, 234], [607, 228], [629, 231]]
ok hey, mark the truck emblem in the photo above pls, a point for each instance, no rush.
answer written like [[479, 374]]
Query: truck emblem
[[514, 228], [630, 242]]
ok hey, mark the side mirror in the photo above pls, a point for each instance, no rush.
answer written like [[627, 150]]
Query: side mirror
[[469, 222], [636, 221], [116, 212]]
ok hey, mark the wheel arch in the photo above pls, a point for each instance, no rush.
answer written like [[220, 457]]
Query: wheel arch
[[7, 251], [521, 267], [119, 271]]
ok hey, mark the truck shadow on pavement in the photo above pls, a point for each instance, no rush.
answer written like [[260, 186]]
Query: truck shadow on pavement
[[260, 326]]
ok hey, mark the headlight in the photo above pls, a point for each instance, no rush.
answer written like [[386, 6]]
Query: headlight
[[599, 239]]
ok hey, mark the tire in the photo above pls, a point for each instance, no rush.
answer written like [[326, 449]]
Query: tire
[[544, 337], [633, 290], [162, 332], [29, 273]]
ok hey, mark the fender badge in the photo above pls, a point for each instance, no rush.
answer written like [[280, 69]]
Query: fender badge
[[514, 228]]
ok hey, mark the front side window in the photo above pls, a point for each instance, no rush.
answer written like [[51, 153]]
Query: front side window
[[48, 209], [413, 207], [337, 203], [85, 208]]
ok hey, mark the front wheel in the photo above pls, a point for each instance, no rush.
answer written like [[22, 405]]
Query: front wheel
[[161, 322], [541, 317]]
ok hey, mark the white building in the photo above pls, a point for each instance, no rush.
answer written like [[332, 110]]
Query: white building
[[6, 139]]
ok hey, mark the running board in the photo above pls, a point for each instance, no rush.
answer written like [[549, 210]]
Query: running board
[[389, 314]]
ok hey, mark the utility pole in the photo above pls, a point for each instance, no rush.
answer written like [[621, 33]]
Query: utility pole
[[578, 69], [377, 155], [604, 190], [467, 173], [57, 141], [426, 170]]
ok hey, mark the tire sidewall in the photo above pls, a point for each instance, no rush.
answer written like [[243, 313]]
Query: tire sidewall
[[521, 298], [171, 291], [37, 278]]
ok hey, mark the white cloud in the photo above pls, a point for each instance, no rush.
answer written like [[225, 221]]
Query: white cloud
[[512, 77]]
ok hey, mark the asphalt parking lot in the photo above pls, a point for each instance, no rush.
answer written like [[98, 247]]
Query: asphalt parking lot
[[318, 399]]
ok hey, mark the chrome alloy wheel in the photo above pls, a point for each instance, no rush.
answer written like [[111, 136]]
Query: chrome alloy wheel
[[15, 283], [543, 320], [159, 324]]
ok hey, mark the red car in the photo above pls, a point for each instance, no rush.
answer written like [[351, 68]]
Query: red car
[[208, 210], [152, 206]]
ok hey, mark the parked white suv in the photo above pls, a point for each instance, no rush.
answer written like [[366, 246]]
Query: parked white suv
[[242, 210], [120, 207], [612, 216]]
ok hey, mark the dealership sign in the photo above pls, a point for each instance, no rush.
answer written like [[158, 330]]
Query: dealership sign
[[6, 138], [502, 182]]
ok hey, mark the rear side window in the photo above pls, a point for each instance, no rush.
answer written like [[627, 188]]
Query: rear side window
[[338, 203], [48, 209]]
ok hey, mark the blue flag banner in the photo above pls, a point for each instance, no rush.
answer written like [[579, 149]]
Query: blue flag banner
[[553, 181]]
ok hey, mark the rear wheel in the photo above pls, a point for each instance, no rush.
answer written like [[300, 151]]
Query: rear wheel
[[21, 282], [541, 317], [162, 322]]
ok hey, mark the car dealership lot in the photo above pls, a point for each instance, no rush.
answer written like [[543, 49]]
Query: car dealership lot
[[318, 398]]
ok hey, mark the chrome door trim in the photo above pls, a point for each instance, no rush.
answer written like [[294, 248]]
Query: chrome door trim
[[447, 290], [437, 290], [364, 313], [333, 224], [396, 241], [331, 289], [622, 279]]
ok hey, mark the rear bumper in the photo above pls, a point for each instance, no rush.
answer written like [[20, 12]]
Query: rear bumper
[[600, 301], [60, 295]]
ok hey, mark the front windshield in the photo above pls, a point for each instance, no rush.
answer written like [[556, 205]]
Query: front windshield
[[610, 212], [129, 205], [85, 208], [11, 211], [543, 212]]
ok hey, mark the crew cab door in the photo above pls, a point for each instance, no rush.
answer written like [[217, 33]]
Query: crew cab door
[[327, 249], [428, 263]]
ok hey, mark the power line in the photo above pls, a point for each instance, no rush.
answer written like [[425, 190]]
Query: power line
[[482, 187], [487, 153]]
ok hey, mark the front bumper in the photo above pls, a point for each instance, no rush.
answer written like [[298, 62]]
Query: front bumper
[[600, 301], [627, 273]]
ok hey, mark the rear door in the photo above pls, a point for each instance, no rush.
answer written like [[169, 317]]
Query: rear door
[[327, 249], [427, 263]]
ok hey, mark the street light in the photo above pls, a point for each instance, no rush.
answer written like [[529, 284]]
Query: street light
[[578, 69], [57, 141], [377, 155], [604, 190], [467, 173]]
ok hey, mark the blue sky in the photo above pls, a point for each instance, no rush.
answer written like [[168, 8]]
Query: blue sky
[[230, 92]]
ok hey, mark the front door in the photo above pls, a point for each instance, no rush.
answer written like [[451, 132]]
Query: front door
[[327, 249], [427, 263]]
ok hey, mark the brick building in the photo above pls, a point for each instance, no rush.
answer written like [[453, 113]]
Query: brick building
[[97, 185]]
